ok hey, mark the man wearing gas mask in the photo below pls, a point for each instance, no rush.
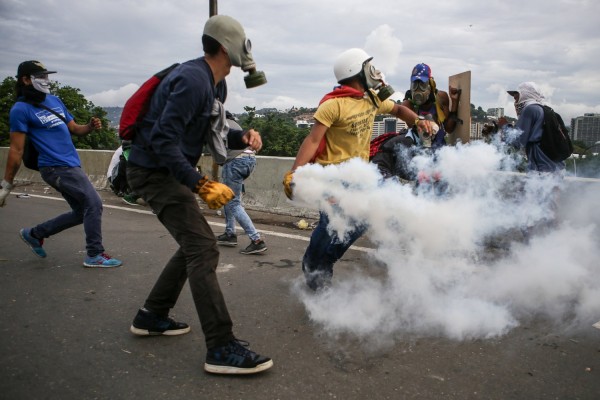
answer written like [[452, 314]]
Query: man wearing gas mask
[[46, 122], [162, 170], [425, 99], [342, 131]]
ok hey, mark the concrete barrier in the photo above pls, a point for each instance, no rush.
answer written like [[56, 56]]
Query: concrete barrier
[[264, 191]]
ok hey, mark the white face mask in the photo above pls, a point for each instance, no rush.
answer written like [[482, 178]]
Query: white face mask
[[41, 83]]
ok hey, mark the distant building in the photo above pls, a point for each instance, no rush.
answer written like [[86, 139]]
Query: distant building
[[475, 131], [388, 125], [304, 124], [586, 128], [495, 112]]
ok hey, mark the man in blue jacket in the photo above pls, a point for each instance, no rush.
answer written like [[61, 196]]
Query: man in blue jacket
[[45, 120], [186, 112]]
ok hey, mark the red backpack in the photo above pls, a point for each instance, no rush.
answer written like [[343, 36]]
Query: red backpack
[[137, 106]]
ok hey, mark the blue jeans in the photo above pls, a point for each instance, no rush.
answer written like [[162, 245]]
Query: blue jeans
[[233, 175], [324, 250], [86, 207]]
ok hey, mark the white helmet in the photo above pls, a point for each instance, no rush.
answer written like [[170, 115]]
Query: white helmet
[[350, 63]]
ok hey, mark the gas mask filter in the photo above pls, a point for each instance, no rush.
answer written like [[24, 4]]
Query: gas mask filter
[[41, 83], [230, 34], [375, 81], [420, 91]]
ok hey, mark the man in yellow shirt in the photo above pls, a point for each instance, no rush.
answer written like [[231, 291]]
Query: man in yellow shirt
[[344, 121]]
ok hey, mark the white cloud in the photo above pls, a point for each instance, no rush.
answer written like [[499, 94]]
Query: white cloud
[[385, 48], [111, 97]]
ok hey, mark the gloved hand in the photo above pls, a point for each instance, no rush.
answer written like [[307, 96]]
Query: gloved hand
[[288, 185], [4, 192], [214, 194]]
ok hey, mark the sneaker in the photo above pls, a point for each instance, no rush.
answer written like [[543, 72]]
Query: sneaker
[[34, 244], [255, 247], [235, 358], [227, 240], [130, 199], [102, 260], [147, 323]]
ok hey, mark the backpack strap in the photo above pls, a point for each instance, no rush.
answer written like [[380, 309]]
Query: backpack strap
[[38, 105]]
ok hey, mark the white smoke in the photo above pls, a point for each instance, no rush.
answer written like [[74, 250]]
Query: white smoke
[[473, 262]]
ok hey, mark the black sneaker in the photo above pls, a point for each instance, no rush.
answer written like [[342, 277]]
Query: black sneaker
[[235, 358], [148, 323], [227, 240], [255, 247]]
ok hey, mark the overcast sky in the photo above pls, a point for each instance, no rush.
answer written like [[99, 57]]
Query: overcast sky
[[107, 48]]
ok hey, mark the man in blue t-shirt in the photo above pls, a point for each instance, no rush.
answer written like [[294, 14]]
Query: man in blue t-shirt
[[47, 123]]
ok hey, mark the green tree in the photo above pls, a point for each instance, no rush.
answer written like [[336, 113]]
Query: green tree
[[81, 109], [7, 99], [279, 135]]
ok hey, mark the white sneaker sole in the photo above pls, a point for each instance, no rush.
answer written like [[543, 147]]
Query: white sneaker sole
[[228, 370], [145, 332]]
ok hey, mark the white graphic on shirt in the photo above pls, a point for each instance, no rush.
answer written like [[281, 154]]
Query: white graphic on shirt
[[48, 119]]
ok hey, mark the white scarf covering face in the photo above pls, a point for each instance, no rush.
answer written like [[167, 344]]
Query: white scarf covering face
[[528, 94]]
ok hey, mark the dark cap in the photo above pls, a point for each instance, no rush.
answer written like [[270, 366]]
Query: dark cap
[[513, 93], [27, 68]]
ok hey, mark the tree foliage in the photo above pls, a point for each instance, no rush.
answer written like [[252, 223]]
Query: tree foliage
[[279, 134], [81, 109]]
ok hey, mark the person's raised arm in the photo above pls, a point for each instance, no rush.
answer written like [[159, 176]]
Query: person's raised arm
[[307, 150], [82, 130], [411, 118]]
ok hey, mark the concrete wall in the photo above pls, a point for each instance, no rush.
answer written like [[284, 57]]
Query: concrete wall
[[264, 191]]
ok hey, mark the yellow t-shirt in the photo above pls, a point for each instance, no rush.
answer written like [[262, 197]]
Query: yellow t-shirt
[[350, 122]]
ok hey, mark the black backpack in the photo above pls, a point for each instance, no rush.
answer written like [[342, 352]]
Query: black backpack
[[555, 143]]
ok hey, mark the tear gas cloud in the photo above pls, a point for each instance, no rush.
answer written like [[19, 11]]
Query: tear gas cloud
[[438, 280]]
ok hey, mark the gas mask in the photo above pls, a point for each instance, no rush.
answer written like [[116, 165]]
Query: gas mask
[[41, 83], [230, 34], [420, 92], [375, 80]]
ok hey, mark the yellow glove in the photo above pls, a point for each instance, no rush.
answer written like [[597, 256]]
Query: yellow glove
[[214, 194], [288, 185]]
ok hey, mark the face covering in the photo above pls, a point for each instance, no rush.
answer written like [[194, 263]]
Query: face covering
[[31, 94], [41, 83], [420, 92], [230, 34], [519, 107], [375, 80]]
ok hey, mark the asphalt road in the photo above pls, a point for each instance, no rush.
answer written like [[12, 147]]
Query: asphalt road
[[64, 328]]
